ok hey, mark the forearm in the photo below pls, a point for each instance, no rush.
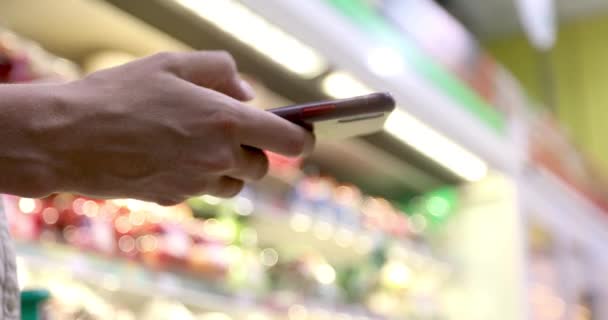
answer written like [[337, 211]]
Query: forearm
[[26, 168]]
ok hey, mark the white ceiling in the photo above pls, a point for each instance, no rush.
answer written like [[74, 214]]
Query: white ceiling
[[495, 18]]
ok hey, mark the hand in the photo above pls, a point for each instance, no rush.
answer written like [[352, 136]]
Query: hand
[[162, 129]]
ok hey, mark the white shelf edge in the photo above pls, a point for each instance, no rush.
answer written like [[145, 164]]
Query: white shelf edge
[[567, 211], [83, 267]]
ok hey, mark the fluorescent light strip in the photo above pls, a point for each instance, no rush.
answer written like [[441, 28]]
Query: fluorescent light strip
[[435, 146], [412, 131], [253, 30], [385, 62], [340, 85]]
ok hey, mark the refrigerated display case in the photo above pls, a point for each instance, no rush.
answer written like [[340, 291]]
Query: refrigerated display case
[[425, 220], [298, 243]]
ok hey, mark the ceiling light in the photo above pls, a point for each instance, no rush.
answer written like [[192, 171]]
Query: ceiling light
[[538, 17], [342, 85], [436, 146], [385, 62], [255, 31]]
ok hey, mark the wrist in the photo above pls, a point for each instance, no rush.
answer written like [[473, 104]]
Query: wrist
[[27, 168]]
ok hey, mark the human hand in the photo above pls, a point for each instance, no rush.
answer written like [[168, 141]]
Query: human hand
[[162, 129]]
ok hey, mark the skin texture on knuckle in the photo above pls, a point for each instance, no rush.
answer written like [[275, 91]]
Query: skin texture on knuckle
[[192, 185], [227, 124], [296, 145], [222, 161], [225, 59], [226, 121], [219, 162], [167, 60]]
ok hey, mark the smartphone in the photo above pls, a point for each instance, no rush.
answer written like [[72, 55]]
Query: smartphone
[[342, 118]]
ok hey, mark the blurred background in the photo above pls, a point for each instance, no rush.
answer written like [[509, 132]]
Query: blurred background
[[484, 197]]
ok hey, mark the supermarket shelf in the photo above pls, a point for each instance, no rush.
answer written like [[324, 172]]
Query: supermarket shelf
[[295, 233], [138, 280], [563, 209], [341, 245], [132, 278], [298, 233]]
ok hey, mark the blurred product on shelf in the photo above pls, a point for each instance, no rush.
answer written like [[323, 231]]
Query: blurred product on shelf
[[33, 304], [552, 149], [560, 285], [222, 247], [452, 45], [325, 200], [159, 237], [425, 41]]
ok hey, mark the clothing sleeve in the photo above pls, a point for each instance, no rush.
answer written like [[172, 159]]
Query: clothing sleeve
[[9, 288]]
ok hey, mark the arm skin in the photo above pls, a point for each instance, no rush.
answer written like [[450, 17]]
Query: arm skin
[[25, 167]]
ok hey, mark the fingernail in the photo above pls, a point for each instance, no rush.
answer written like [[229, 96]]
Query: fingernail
[[247, 90]]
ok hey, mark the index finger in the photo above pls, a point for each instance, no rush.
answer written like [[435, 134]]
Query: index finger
[[267, 131]]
